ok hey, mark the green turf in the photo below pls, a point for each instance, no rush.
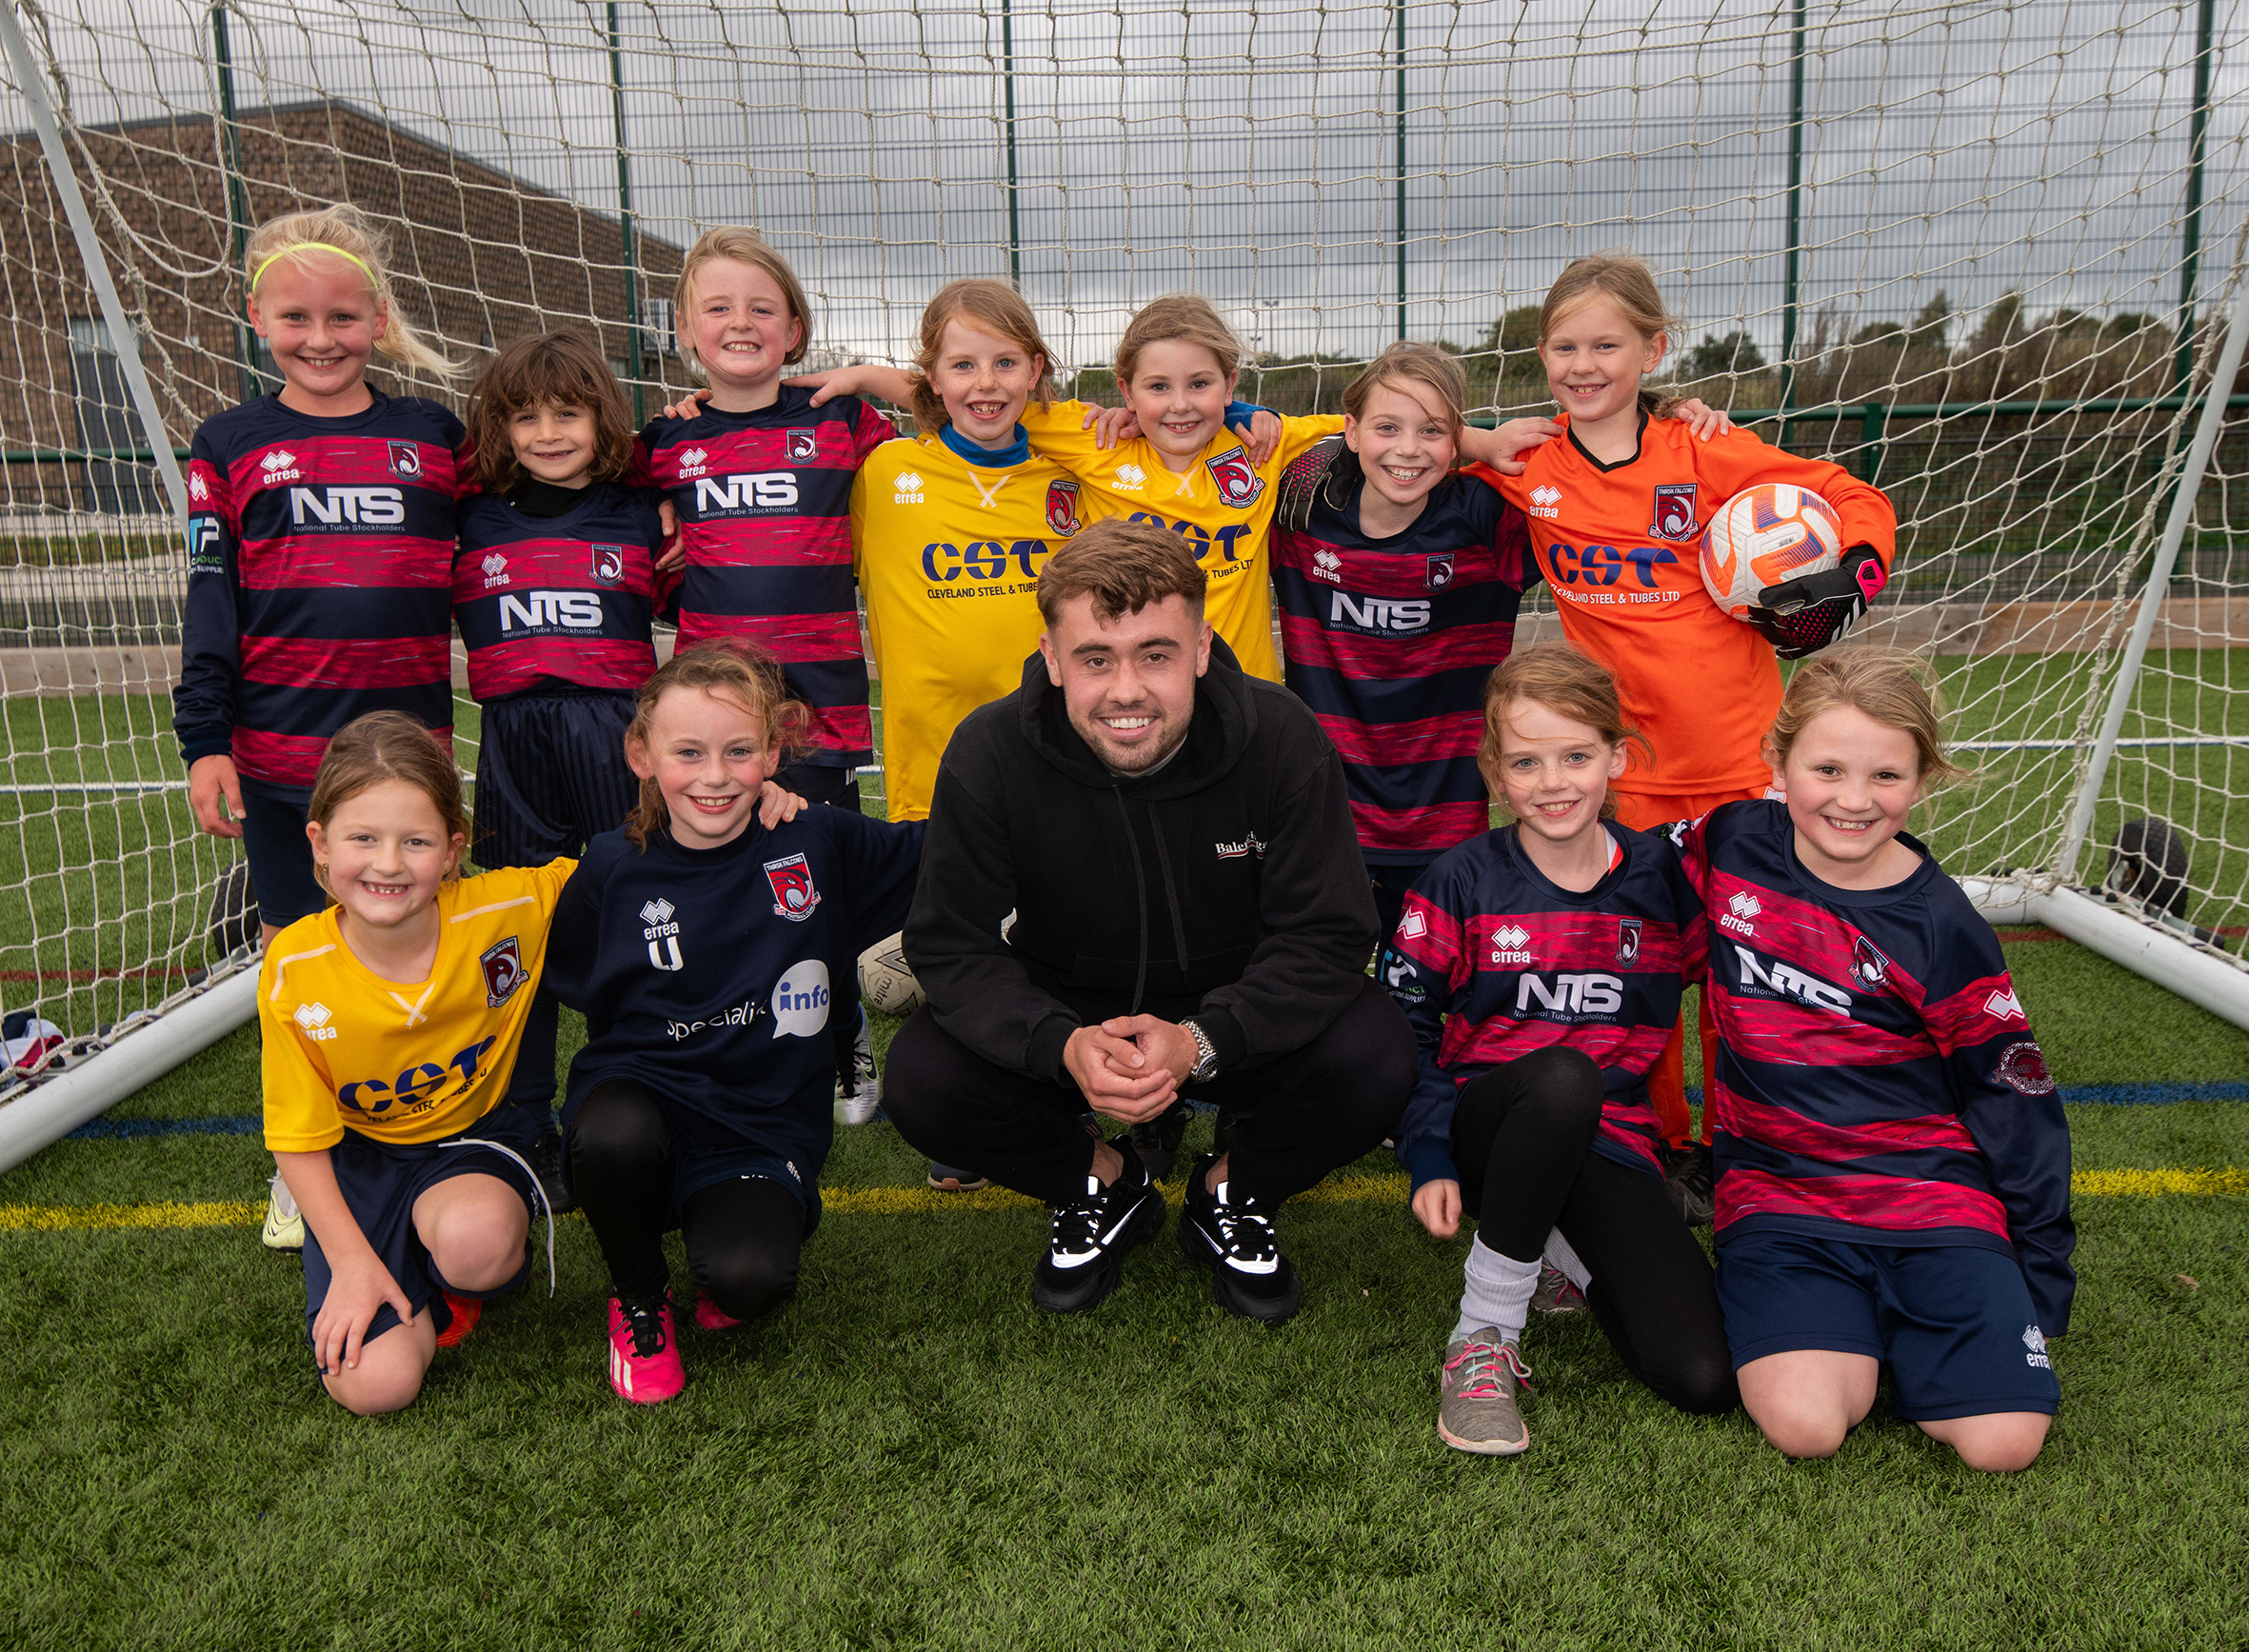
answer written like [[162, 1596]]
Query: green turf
[[909, 1455]]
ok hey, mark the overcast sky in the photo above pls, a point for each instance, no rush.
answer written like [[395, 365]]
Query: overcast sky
[[1248, 148]]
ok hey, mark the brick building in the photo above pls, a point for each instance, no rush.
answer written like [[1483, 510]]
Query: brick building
[[479, 257]]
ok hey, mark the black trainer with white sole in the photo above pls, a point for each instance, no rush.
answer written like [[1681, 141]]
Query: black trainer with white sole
[[1233, 1237], [1089, 1236]]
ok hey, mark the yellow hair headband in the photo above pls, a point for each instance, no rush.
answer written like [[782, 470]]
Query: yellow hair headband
[[311, 247]]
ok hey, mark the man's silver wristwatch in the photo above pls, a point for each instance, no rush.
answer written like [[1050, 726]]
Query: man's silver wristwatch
[[1205, 1068]]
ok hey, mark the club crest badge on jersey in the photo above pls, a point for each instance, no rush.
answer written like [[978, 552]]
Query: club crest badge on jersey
[[1628, 941], [502, 971], [406, 460], [802, 445], [1675, 512], [1440, 572], [608, 564], [2023, 1069], [1062, 506], [793, 895], [1236, 479], [1868, 964]]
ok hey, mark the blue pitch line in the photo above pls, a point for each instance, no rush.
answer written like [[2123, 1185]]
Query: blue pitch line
[[252, 1124]]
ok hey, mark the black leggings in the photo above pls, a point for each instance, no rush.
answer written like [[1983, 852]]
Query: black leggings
[[743, 1236], [1522, 1136]]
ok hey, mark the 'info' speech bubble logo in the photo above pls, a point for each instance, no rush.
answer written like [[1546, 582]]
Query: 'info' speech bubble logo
[[800, 999]]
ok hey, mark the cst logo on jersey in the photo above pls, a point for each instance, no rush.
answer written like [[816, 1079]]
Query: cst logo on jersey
[[793, 895], [418, 1089], [1235, 480]]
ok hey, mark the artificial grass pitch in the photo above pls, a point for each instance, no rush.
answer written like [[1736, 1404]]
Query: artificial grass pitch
[[910, 1455]]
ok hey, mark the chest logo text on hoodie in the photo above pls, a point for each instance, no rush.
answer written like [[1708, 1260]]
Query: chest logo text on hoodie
[[1249, 843], [662, 934], [793, 895]]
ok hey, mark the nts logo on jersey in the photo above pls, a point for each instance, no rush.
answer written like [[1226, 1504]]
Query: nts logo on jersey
[[2034, 1341], [910, 489], [502, 971], [691, 462], [608, 564], [1062, 507], [1742, 907], [1868, 964], [197, 487], [1132, 477], [1785, 982], [1509, 942], [802, 445], [2004, 1005], [279, 465], [662, 934], [1627, 941], [793, 895], [1675, 512], [312, 1019], [1545, 501], [406, 460], [495, 571], [1326, 564], [1238, 484]]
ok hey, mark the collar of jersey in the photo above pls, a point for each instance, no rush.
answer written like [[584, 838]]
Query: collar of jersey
[[1513, 833], [1016, 453], [1638, 446], [1821, 889]]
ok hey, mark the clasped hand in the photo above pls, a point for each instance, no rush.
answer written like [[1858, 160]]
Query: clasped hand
[[1131, 1067]]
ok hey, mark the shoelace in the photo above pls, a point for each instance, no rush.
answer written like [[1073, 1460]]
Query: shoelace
[[645, 1324], [1077, 1225], [1484, 1359], [1246, 1233]]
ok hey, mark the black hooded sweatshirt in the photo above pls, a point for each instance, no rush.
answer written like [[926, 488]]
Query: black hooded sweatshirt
[[1226, 885]]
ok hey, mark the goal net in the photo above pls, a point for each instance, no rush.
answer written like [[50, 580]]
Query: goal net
[[1982, 254]]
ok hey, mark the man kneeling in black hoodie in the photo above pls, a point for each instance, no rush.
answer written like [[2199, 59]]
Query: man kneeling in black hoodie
[[1141, 879]]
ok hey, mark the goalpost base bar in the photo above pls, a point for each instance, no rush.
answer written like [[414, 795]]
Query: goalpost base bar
[[53, 1111], [2220, 988]]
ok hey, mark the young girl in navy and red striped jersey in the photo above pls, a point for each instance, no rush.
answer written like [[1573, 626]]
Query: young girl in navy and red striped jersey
[[1541, 965], [761, 478], [552, 588], [320, 560], [1893, 1160], [710, 953]]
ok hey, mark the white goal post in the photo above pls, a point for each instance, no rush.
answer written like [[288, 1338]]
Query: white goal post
[[1988, 255]]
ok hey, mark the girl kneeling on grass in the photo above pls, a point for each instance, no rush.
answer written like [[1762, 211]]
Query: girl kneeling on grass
[[1540, 966], [390, 1023], [710, 952], [1893, 1160]]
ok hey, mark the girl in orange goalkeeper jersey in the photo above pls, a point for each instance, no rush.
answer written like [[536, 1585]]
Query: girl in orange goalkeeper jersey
[[1617, 502]]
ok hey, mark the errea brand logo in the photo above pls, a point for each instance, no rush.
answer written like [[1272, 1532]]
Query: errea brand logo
[[1742, 907], [691, 462], [662, 934], [1132, 477], [910, 489], [495, 571], [312, 1019], [280, 466], [1545, 501], [2034, 1341], [197, 487], [1509, 944], [1328, 566]]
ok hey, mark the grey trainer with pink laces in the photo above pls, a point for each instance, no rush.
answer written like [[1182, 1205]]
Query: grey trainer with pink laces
[[1483, 1375]]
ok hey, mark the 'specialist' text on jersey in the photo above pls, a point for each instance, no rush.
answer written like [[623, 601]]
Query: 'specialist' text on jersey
[[1492, 961], [949, 554], [398, 1063], [1222, 505], [558, 599], [1390, 641], [320, 576], [1877, 1079], [1621, 545], [764, 503], [711, 975]]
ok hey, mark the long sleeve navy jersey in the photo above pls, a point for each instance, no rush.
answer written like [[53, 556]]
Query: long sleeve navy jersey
[[1390, 642], [765, 510], [1492, 960], [319, 574], [560, 599], [710, 975], [1876, 1080]]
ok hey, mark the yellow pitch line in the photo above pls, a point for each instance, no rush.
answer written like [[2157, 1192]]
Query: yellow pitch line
[[922, 1200]]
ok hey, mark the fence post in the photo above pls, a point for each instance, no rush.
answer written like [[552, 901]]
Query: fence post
[[128, 341], [1873, 425], [2190, 235], [629, 251], [245, 352], [2216, 396], [1398, 10], [1792, 298], [1014, 184]]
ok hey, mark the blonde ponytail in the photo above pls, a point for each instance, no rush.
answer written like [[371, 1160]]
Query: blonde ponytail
[[344, 234]]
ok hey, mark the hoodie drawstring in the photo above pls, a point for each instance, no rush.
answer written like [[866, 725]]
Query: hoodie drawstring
[[1179, 929], [1140, 889]]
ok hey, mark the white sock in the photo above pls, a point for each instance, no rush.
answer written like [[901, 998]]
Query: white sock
[[1560, 1255], [284, 1203], [1498, 1294]]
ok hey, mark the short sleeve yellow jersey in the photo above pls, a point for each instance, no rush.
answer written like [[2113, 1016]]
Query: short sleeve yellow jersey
[[1221, 502], [948, 555], [346, 1049]]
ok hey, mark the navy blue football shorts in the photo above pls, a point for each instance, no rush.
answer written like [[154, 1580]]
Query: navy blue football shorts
[[380, 1182], [280, 856], [550, 775], [1953, 1322]]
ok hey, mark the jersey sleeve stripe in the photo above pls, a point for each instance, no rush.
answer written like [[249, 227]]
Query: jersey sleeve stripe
[[1864, 1201]]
